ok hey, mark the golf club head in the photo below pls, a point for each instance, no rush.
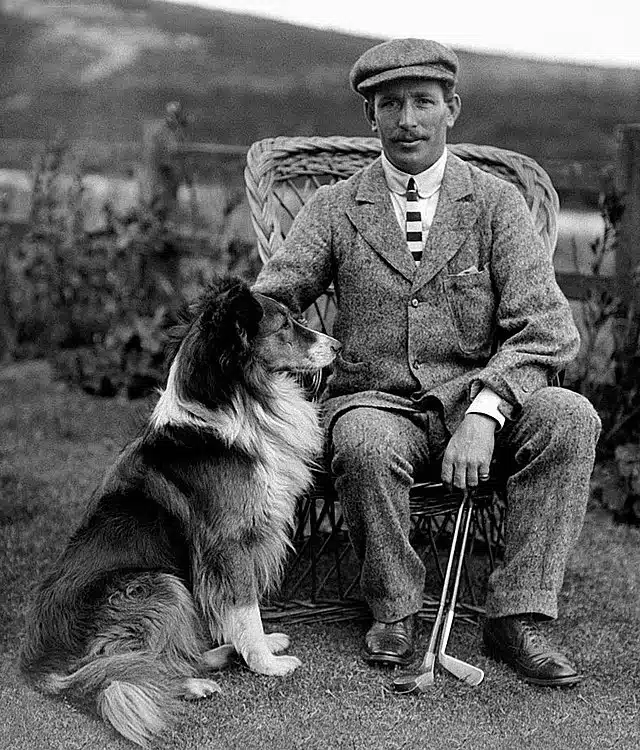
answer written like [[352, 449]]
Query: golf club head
[[460, 669], [411, 683], [422, 681]]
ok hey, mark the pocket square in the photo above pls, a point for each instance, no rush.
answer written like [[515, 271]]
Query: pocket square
[[467, 271]]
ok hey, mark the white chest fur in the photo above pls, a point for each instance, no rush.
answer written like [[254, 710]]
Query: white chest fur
[[285, 438], [279, 431]]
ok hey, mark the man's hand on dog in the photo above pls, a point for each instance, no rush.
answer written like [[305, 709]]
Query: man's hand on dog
[[468, 456]]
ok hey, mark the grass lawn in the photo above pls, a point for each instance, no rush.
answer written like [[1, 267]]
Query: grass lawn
[[54, 445]]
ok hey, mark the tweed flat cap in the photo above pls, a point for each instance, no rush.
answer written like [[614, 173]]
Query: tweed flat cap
[[403, 58]]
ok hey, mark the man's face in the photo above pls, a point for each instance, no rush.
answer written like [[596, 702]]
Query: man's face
[[411, 118]]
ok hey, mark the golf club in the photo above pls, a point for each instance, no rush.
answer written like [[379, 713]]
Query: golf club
[[460, 669], [409, 683]]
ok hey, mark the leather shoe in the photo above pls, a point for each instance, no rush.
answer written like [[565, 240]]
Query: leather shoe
[[390, 643], [517, 641]]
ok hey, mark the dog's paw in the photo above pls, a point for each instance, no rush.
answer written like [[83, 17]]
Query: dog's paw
[[218, 658], [277, 642], [275, 666], [196, 688]]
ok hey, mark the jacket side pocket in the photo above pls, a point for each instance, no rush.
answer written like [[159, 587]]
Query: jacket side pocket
[[349, 376]]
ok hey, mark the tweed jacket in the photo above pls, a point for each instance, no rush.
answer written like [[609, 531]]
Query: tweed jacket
[[483, 307]]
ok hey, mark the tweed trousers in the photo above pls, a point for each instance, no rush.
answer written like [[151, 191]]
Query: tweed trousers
[[549, 449]]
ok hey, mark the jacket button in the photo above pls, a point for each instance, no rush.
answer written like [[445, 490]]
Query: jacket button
[[415, 302]]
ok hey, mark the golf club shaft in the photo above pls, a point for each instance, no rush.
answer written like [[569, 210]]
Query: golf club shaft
[[466, 509], [435, 631], [468, 673], [440, 635]]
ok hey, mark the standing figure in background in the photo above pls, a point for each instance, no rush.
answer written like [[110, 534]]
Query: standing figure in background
[[166, 163]]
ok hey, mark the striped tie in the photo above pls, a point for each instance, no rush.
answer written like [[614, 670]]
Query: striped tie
[[414, 222]]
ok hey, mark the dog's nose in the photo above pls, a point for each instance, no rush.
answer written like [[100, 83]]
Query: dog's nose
[[335, 346]]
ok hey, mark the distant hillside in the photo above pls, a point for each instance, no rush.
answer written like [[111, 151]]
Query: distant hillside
[[100, 68]]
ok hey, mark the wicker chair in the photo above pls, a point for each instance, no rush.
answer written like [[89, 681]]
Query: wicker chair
[[322, 575]]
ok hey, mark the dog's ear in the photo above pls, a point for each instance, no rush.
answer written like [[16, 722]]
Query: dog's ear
[[216, 346], [243, 313], [230, 318], [272, 308]]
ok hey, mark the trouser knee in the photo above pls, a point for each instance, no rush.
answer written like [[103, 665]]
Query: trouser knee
[[362, 448], [564, 419]]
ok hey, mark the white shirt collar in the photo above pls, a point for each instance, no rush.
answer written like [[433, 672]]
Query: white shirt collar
[[428, 182]]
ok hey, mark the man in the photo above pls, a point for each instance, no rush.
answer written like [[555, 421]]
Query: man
[[452, 327], [166, 163]]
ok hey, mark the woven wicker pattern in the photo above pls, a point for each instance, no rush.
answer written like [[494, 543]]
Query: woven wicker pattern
[[282, 173]]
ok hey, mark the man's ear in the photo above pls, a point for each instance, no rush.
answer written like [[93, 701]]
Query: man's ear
[[370, 114], [454, 106]]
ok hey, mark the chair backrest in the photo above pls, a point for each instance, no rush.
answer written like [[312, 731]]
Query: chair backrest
[[282, 173]]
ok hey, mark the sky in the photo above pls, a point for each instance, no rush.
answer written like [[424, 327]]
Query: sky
[[602, 32]]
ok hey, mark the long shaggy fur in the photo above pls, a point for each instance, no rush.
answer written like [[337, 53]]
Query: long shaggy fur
[[190, 526]]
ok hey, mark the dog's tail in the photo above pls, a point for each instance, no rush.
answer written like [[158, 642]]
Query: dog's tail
[[137, 712], [132, 692]]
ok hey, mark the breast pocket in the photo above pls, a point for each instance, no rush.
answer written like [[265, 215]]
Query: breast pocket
[[472, 306]]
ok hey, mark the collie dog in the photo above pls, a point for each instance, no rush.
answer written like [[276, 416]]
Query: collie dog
[[190, 526]]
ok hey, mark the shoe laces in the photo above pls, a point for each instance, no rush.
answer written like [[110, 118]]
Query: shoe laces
[[532, 631]]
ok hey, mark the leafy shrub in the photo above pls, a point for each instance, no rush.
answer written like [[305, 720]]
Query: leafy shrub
[[98, 303], [607, 372]]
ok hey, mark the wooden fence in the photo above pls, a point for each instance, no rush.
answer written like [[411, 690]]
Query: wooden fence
[[628, 240], [626, 181]]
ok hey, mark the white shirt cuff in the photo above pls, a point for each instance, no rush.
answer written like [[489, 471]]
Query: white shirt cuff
[[487, 402]]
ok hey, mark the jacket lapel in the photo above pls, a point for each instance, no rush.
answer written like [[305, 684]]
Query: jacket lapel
[[374, 218], [455, 215]]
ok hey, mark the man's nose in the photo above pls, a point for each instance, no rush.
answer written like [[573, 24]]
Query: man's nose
[[408, 116]]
